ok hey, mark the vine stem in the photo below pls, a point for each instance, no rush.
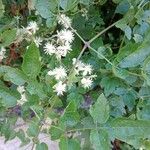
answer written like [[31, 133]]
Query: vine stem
[[103, 31], [48, 110], [87, 44]]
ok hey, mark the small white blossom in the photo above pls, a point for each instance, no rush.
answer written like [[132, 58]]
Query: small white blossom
[[37, 41], [21, 89], [23, 99], [59, 88], [87, 69], [49, 49], [2, 53], [79, 64], [63, 50], [58, 73], [32, 27], [86, 82], [65, 36], [64, 20]]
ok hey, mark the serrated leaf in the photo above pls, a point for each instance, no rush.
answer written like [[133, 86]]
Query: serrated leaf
[[41, 146], [143, 112], [127, 129], [110, 84], [9, 97], [7, 37], [124, 27], [68, 144], [36, 88], [33, 129], [100, 110], [68, 4], [13, 75], [123, 7], [46, 7], [71, 116], [100, 140], [138, 56], [31, 61], [56, 131], [135, 58]]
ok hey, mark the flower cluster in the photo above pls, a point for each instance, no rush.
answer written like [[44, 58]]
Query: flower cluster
[[23, 99], [28, 32], [59, 45], [2, 53], [64, 38], [85, 71], [81, 70], [60, 75]]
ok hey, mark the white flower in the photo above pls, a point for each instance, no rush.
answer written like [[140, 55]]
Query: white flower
[[32, 27], [87, 69], [21, 89], [49, 49], [65, 36], [86, 82], [64, 20], [2, 53], [37, 41], [58, 73], [59, 88], [22, 100], [79, 65], [63, 50]]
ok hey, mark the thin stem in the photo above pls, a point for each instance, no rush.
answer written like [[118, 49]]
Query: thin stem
[[78, 35], [48, 110], [122, 42], [101, 55], [103, 31]]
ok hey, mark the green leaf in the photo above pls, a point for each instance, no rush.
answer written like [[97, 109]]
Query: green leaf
[[21, 135], [100, 140], [13, 75], [100, 110], [146, 70], [56, 131], [68, 144], [7, 37], [143, 112], [31, 61], [1, 8], [68, 4], [46, 7], [8, 96], [135, 58], [127, 129], [71, 116], [33, 129], [109, 84], [124, 27], [41, 146], [36, 88], [123, 7], [138, 56]]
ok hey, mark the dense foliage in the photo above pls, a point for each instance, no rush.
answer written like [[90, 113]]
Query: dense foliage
[[78, 70]]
